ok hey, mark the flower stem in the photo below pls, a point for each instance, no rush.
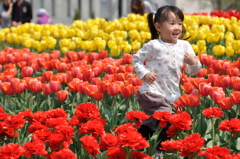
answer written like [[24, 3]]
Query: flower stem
[[213, 132], [237, 111]]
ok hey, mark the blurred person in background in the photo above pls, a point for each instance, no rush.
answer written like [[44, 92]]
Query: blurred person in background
[[158, 3], [141, 7], [21, 13], [43, 17], [6, 13]]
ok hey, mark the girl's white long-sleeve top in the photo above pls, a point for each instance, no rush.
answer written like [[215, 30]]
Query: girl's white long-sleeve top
[[166, 60]]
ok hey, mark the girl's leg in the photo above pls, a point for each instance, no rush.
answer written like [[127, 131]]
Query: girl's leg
[[163, 137], [146, 132]]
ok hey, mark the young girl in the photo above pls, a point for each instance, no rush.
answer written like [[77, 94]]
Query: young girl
[[164, 58]]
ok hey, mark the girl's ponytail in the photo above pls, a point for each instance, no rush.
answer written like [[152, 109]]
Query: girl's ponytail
[[151, 21]]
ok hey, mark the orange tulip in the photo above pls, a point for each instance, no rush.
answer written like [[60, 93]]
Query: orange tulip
[[27, 71], [73, 56], [95, 80], [102, 86], [17, 85], [127, 59], [119, 76], [6, 88], [35, 85], [103, 54], [202, 72], [81, 87], [97, 70], [81, 54], [113, 89], [204, 89], [135, 81], [196, 81], [206, 59], [46, 89], [47, 75], [73, 85], [217, 64], [212, 78], [10, 58], [109, 77], [62, 95], [235, 83], [222, 81], [217, 94], [235, 96], [233, 71], [55, 54], [91, 56], [54, 86], [75, 70], [188, 88], [126, 90], [88, 74], [225, 103]]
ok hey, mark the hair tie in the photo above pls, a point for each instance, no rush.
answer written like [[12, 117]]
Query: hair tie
[[154, 13]]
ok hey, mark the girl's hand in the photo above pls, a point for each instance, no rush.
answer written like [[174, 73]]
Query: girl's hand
[[150, 77], [190, 59]]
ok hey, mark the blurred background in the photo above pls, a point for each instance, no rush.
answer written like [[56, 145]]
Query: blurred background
[[65, 11]]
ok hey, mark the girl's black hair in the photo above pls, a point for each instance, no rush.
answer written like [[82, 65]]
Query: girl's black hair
[[161, 16]]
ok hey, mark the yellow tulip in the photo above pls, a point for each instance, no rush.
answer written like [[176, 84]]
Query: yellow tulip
[[86, 45], [105, 36], [111, 43], [236, 45], [9, 38], [229, 51], [102, 45], [51, 43], [133, 34], [201, 44], [72, 45], [77, 41], [201, 35], [64, 42], [219, 50], [63, 33], [27, 43], [64, 50], [237, 33], [2, 36], [136, 45], [202, 51], [119, 41], [210, 37], [127, 48], [36, 35], [229, 35], [228, 42], [115, 51], [195, 48]]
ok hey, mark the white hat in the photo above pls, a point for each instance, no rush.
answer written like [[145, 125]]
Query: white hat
[[41, 12]]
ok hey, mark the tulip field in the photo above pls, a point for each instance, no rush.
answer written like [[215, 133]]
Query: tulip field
[[70, 91]]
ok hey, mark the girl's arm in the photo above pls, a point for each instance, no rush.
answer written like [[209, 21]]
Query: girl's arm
[[192, 63], [138, 60]]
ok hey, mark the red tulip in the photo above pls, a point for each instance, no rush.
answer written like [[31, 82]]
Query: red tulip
[[235, 83], [212, 78], [55, 54], [62, 95], [6, 88], [188, 88], [204, 89], [235, 96], [233, 71], [47, 75], [88, 74], [27, 71], [92, 56], [127, 58], [206, 59], [54, 86], [95, 80], [19, 87], [103, 54], [10, 58], [75, 70], [73, 85], [46, 89], [81, 55], [225, 103], [126, 90], [73, 56], [81, 87], [113, 89], [217, 94], [97, 71], [102, 86], [202, 72], [35, 85]]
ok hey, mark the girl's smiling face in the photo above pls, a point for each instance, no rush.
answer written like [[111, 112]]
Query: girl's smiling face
[[171, 29]]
